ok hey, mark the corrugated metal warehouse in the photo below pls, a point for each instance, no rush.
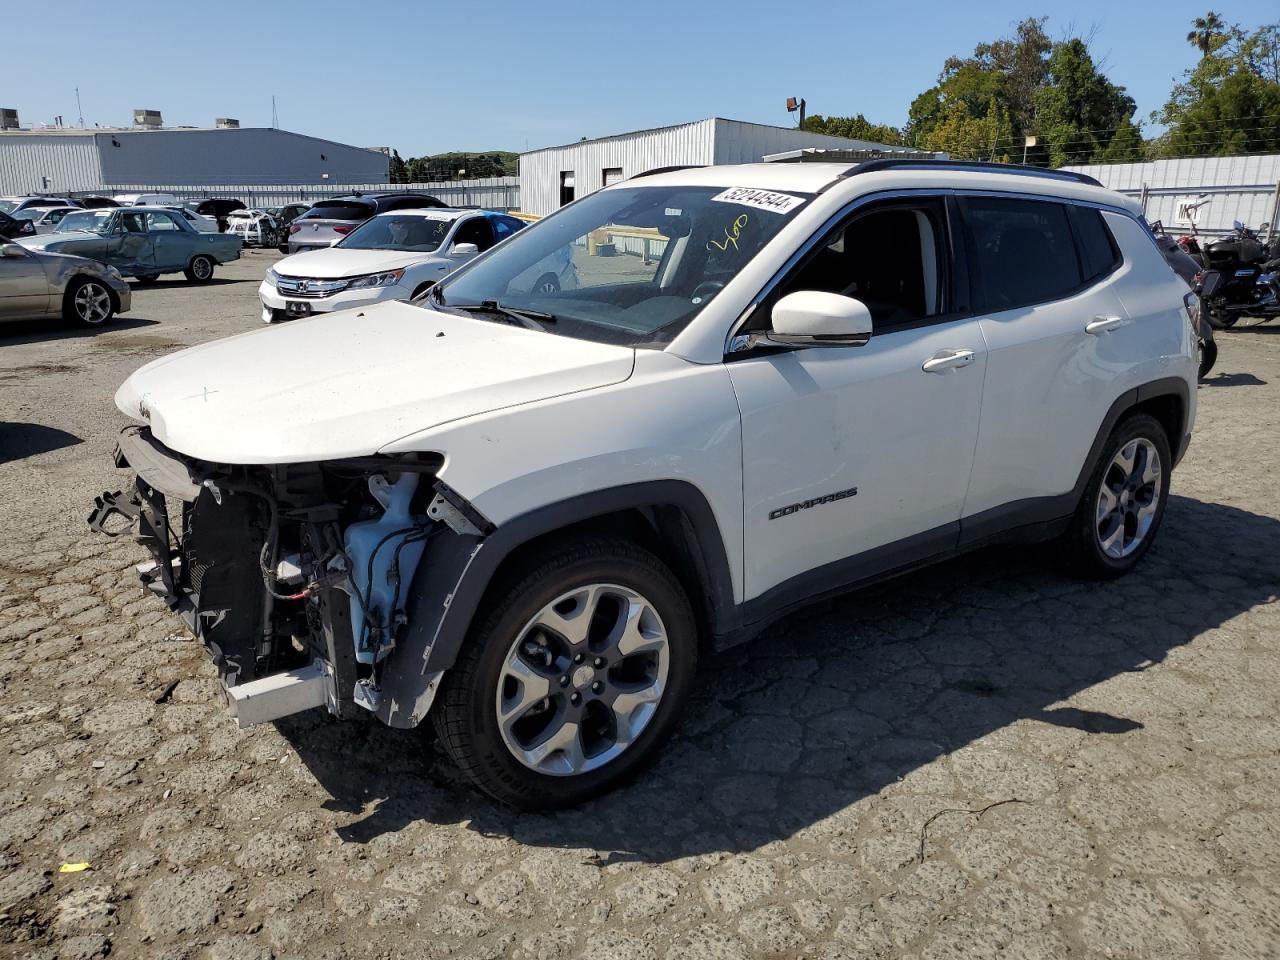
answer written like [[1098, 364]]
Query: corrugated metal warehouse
[[67, 160], [1236, 188], [552, 176]]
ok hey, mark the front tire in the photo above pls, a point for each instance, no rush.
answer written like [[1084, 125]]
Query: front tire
[[88, 303], [1123, 502], [200, 269], [575, 678], [148, 278], [548, 285]]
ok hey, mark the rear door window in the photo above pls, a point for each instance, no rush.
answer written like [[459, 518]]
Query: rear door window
[[1022, 251], [477, 231]]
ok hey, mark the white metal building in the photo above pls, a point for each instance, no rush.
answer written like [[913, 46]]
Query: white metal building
[[1237, 188], [75, 160], [553, 176]]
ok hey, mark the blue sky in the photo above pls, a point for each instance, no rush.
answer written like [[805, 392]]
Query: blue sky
[[428, 77]]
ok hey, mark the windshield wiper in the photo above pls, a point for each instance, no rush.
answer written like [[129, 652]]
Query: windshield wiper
[[530, 319]]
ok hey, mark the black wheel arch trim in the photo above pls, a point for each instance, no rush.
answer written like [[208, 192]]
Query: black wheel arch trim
[[457, 569]]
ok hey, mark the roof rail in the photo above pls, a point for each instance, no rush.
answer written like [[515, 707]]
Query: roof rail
[[989, 166], [670, 169]]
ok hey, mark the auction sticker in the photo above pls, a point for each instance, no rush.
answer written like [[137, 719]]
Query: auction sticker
[[760, 199]]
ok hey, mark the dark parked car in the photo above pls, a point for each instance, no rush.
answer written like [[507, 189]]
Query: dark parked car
[[11, 229], [328, 221], [216, 207], [285, 215]]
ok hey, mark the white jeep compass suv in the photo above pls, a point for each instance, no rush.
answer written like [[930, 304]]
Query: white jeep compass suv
[[526, 513]]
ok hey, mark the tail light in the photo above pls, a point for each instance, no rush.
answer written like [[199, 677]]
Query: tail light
[[1191, 303], [341, 229], [294, 228]]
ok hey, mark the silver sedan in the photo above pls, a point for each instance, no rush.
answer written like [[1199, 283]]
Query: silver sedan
[[36, 285]]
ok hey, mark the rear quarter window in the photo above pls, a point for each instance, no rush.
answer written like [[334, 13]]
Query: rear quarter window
[[1099, 253], [1023, 251]]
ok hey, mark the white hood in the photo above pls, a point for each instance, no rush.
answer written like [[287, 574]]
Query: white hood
[[333, 262], [348, 383]]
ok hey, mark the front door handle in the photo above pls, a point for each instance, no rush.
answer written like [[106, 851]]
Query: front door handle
[[1103, 325], [946, 360]]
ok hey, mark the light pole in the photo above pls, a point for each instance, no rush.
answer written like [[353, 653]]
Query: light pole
[[794, 104]]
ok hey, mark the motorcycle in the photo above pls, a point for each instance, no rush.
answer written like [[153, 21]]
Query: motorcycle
[[1206, 286], [1200, 281], [1250, 268]]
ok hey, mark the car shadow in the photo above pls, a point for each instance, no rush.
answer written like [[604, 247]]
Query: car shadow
[[178, 281], [847, 697], [21, 440], [1233, 380], [34, 331]]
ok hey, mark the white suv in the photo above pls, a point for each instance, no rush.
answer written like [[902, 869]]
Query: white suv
[[528, 513]]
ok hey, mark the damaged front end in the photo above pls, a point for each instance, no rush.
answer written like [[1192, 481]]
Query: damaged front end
[[295, 577]]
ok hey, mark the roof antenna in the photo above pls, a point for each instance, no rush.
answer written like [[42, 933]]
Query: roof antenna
[[79, 109], [274, 124]]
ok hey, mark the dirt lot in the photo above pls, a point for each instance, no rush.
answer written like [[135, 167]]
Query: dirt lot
[[823, 798]]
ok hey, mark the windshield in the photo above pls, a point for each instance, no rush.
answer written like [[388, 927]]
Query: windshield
[[94, 221], [414, 234], [30, 213], [630, 265], [6, 206]]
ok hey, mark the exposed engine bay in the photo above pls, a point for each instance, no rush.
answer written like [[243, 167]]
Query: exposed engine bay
[[295, 577]]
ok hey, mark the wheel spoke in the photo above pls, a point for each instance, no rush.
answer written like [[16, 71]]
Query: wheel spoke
[[533, 688], [1125, 458], [1149, 471], [1113, 543], [1107, 502], [632, 709], [566, 741], [574, 624], [637, 634]]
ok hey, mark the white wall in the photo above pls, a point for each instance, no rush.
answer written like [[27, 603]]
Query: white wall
[[1240, 188], [690, 143]]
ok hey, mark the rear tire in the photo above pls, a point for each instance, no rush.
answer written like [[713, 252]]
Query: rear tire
[[200, 269], [1123, 503], [548, 284], [609, 696], [1222, 320], [1208, 356], [148, 278], [88, 303]]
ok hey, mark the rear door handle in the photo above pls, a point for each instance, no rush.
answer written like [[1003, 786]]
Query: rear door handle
[[1103, 325], [946, 360]]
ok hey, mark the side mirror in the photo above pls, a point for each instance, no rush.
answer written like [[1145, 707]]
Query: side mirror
[[464, 250], [812, 318], [12, 250]]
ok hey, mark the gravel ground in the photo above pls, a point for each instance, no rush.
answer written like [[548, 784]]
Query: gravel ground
[[981, 760]]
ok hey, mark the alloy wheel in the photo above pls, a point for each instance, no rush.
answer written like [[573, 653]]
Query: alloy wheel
[[202, 268], [582, 680], [92, 303], [1128, 498]]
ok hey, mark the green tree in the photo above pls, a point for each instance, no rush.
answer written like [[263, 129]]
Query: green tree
[[1078, 110], [1205, 32], [856, 128], [397, 171], [966, 137], [1008, 70], [1229, 103]]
